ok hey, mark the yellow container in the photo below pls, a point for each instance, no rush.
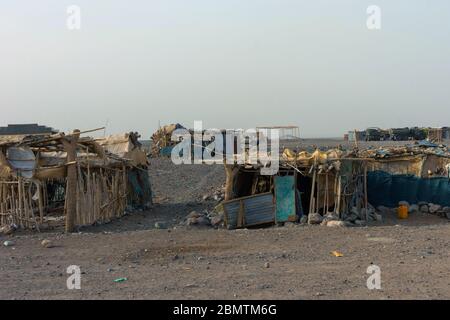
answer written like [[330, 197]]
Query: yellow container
[[402, 212]]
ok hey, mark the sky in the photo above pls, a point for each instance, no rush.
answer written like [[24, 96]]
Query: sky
[[229, 63]]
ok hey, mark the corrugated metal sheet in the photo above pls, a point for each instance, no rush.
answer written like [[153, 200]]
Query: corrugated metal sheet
[[257, 210]]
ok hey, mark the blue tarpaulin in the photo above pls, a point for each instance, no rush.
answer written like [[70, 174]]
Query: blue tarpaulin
[[385, 189]]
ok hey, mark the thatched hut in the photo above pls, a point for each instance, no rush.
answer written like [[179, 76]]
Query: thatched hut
[[69, 178]]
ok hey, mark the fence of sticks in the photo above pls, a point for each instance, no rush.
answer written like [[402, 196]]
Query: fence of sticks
[[101, 194], [70, 179], [18, 203]]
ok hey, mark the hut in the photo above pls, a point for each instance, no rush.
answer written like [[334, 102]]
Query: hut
[[347, 186], [71, 180]]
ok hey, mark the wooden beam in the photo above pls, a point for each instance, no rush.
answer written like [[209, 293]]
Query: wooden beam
[[70, 146]]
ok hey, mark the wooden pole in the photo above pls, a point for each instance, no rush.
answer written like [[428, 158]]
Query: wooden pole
[[70, 146], [231, 172], [21, 215], [366, 200], [313, 188], [41, 202]]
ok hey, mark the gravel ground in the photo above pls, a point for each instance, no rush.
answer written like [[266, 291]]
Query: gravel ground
[[290, 262]]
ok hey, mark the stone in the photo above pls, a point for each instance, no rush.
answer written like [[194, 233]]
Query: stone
[[434, 208], [204, 221], [193, 214], [367, 213], [205, 197], [266, 265], [160, 225], [6, 230], [448, 215], [441, 214], [360, 223], [424, 209], [413, 208], [47, 243], [9, 243], [191, 221], [330, 217], [199, 221], [314, 218], [319, 294], [216, 220], [304, 219], [351, 217], [335, 223]]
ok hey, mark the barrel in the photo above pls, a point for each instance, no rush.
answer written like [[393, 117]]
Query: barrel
[[402, 212]]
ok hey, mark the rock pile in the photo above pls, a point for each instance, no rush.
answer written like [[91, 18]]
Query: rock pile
[[217, 194], [197, 219], [421, 207], [434, 209], [216, 217]]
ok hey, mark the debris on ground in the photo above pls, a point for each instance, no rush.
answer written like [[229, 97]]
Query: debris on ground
[[160, 225], [315, 218], [9, 243], [216, 216], [8, 229], [195, 218], [335, 223], [304, 219], [337, 254], [47, 243], [120, 279]]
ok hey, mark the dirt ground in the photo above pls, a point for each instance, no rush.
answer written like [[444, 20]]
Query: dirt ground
[[289, 262]]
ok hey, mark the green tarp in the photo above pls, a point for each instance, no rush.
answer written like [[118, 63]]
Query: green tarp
[[385, 189], [285, 198]]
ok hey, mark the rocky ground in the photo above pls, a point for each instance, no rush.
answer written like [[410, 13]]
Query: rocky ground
[[170, 252]]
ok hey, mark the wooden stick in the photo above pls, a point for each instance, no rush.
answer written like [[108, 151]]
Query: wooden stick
[[71, 205], [366, 200], [31, 209], [20, 201], [40, 203], [313, 188], [325, 206]]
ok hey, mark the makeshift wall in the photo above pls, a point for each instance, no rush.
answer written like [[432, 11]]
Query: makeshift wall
[[435, 165], [387, 189], [405, 165], [101, 195], [21, 203]]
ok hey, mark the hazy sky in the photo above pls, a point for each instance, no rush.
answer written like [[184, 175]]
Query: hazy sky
[[230, 63]]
